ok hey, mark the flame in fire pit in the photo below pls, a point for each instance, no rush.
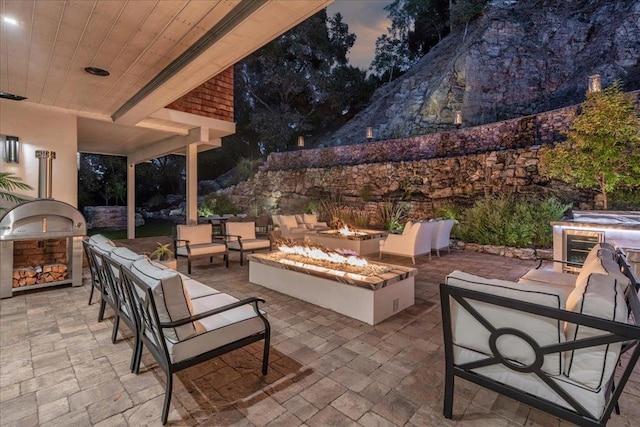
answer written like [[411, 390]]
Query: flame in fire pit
[[320, 255], [346, 231]]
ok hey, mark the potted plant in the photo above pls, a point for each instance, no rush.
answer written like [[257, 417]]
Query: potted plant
[[164, 255]]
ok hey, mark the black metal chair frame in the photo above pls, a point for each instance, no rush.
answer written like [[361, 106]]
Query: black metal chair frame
[[124, 305], [189, 257], [151, 333], [627, 334], [231, 237], [107, 293], [93, 269]]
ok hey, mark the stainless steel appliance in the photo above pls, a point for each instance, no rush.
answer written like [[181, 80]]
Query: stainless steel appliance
[[39, 220]]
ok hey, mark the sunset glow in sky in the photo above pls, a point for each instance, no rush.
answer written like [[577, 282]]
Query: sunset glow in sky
[[368, 20]]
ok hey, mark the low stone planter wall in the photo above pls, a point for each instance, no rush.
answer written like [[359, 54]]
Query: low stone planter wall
[[506, 251], [111, 217]]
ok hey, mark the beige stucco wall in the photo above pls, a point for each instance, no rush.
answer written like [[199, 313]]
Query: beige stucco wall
[[42, 128]]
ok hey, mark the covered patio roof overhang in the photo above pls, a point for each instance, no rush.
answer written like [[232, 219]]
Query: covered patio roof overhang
[[155, 51]]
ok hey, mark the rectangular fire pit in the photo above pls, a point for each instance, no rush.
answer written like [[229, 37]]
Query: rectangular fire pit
[[370, 299], [363, 242]]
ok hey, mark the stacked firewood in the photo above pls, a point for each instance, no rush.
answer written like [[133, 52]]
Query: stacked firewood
[[48, 273]]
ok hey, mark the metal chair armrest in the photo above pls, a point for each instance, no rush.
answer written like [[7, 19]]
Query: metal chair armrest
[[251, 300]]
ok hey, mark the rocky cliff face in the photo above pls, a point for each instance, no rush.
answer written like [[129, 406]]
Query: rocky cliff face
[[520, 58]]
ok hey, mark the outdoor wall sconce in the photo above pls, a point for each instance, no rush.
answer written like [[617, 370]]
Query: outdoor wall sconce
[[369, 133], [457, 117], [11, 149], [595, 84], [301, 141]]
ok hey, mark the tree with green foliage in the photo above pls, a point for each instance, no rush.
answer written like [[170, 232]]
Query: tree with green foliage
[[416, 27], [299, 84], [602, 150], [463, 12], [8, 184]]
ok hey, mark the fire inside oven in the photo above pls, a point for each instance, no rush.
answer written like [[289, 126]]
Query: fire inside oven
[[577, 245]]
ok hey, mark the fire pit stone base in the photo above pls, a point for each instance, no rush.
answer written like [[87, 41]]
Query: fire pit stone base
[[370, 301]]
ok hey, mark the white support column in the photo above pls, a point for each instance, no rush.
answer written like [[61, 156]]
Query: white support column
[[192, 184], [131, 200]]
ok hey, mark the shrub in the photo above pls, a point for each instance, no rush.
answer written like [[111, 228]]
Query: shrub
[[392, 215], [217, 203], [366, 193], [312, 207], [504, 221]]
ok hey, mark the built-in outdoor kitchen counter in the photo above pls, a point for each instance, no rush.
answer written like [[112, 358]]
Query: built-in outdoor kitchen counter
[[573, 238]]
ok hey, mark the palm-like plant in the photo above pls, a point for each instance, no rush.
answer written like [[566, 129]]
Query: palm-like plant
[[9, 183]]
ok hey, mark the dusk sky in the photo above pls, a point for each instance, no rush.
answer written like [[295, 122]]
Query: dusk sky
[[368, 20]]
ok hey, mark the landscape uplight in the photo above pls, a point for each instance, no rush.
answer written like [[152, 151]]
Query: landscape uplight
[[369, 133], [457, 118], [595, 84]]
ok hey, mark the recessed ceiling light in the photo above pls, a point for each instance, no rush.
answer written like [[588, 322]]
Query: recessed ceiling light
[[97, 71], [11, 96], [10, 20]]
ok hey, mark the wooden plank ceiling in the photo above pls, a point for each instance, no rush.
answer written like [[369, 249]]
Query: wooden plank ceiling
[[44, 56]]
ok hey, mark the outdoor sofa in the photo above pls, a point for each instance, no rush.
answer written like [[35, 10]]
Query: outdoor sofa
[[554, 345], [181, 321], [296, 226]]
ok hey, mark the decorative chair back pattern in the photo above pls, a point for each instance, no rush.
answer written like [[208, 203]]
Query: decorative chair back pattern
[[113, 276], [93, 267], [148, 320], [95, 258]]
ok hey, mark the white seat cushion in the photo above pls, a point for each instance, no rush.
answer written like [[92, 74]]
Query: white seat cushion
[[599, 297], [592, 400], [250, 244], [171, 300], [202, 249], [549, 277], [469, 333], [196, 289], [218, 330]]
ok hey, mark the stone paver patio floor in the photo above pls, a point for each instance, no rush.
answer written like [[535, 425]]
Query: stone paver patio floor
[[58, 366]]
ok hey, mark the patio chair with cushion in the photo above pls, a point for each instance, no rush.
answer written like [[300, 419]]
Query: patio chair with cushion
[[111, 264], [310, 222], [289, 227], [553, 346], [197, 241], [415, 240], [263, 224], [442, 235], [181, 330], [241, 236]]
